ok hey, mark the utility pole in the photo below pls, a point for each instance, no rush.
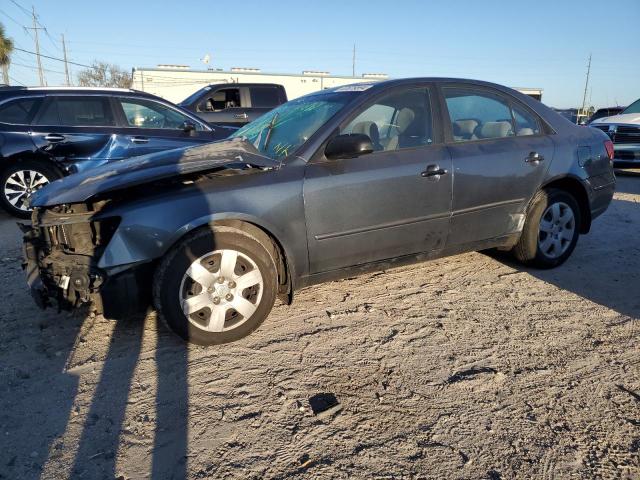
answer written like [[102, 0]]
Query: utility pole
[[66, 64], [353, 62], [586, 85], [35, 29]]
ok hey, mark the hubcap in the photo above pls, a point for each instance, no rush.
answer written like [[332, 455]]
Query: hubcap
[[20, 185], [221, 290], [557, 227]]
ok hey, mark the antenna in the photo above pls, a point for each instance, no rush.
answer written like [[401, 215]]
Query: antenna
[[586, 85]]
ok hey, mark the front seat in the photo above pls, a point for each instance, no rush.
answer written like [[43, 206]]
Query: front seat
[[404, 119], [370, 129]]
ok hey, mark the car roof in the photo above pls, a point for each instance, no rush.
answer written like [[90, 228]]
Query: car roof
[[9, 91], [377, 85]]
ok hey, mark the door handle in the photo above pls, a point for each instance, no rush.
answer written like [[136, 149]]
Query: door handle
[[139, 139], [242, 116], [534, 157], [54, 138], [434, 171]]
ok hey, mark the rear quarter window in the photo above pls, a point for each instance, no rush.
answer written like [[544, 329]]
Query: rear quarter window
[[19, 111], [265, 97]]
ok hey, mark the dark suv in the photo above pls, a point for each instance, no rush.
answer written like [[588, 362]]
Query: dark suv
[[234, 104], [46, 133]]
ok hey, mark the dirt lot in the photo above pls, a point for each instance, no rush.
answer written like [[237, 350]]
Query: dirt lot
[[467, 367]]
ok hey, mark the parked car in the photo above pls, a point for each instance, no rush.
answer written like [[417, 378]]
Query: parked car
[[51, 132], [346, 180], [602, 113], [624, 131], [234, 104]]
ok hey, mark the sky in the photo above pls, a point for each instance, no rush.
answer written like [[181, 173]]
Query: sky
[[542, 44]]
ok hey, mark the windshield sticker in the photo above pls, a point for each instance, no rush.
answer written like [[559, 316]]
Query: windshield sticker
[[357, 87]]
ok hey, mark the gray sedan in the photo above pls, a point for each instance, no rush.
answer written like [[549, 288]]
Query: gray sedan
[[346, 180]]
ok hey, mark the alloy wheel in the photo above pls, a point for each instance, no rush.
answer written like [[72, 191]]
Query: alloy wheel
[[557, 228], [221, 290], [20, 185]]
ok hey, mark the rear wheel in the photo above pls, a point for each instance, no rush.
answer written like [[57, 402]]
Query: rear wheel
[[19, 181], [550, 231], [216, 286]]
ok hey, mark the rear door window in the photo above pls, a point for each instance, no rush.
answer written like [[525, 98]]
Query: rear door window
[[142, 113], [78, 112], [265, 97], [477, 114], [19, 111]]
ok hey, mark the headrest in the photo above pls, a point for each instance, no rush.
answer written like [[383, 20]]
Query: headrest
[[464, 128], [525, 131], [495, 130], [368, 128], [404, 119]]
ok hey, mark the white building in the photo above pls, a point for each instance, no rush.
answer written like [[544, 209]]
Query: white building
[[177, 82]]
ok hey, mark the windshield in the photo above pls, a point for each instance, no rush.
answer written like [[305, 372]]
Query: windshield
[[280, 132], [633, 108], [193, 97]]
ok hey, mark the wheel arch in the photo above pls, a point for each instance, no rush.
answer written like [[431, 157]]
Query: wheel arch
[[256, 227], [575, 187], [8, 162]]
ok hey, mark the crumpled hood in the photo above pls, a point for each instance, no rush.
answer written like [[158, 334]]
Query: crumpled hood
[[148, 168], [631, 118]]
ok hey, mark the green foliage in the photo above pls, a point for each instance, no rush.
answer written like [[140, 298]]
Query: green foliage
[[6, 47]]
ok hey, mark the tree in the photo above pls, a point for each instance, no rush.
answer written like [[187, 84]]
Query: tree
[[103, 74], [6, 48]]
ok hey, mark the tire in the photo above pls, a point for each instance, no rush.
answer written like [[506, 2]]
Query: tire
[[550, 231], [187, 305], [27, 175]]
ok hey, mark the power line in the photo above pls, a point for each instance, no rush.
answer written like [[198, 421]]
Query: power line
[[16, 81], [11, 18], [55, 58], [25, 10], [16, 64]]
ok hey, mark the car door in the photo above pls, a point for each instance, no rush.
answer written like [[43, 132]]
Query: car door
[[395, 201], [152, 126], [16, 115], [500, 151], [227, 106], [78, 131]]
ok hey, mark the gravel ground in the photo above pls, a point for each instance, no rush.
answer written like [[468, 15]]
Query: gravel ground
[[466, 367]]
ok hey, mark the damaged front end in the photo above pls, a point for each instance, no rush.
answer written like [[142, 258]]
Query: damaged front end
[[61, 251]]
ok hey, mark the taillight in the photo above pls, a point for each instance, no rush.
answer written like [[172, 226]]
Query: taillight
[[608, 145]]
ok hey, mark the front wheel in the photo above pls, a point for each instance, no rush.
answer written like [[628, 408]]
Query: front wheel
[[19, 181], [216, 286], [550, 231]]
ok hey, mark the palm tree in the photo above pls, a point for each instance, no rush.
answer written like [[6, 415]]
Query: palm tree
[[6, 48]]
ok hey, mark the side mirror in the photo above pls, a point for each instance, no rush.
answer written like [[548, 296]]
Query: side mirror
[[348, 146], [188, 127]]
